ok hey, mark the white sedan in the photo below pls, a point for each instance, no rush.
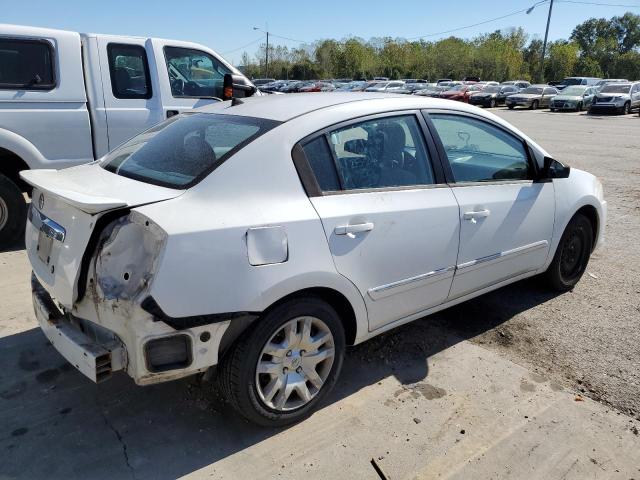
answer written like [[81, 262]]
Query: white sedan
[[265, 235]]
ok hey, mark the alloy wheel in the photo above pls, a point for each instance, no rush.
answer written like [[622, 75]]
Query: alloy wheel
[[295, 363]]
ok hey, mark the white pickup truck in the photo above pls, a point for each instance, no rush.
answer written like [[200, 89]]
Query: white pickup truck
[[68, 98]]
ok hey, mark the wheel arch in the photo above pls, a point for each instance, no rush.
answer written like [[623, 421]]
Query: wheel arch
[[591, 213], [11, 165], [338, 300]]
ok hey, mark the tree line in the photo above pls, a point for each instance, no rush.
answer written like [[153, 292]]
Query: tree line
[[598, 47]]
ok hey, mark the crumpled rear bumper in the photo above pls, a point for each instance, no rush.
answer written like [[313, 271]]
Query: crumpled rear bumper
[[94, 351]]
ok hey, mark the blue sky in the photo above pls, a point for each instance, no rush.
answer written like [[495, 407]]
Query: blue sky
[[308, 20]]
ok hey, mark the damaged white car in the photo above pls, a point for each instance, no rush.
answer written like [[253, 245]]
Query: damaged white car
[[265, 235]]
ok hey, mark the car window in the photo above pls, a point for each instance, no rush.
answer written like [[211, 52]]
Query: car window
[[184, 149], [321, 162], [479, 152], [377, 153], [550, 91], [193, 73], [26, 65], [129, 71]]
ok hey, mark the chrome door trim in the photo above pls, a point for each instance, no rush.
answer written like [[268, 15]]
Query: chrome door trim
[[45, 225], [505, 255], [392, 288]]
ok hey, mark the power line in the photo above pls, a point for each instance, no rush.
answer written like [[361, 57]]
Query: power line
[[243, 46], [517, 12], [598, 4], [287, 38]]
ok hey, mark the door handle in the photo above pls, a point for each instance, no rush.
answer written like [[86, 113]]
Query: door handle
[[473, 216], [351, 229]]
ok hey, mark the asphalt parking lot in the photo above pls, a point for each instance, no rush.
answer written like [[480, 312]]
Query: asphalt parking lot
[[520, 383]]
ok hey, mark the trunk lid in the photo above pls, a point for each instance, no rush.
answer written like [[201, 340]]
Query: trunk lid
[[66, 205]]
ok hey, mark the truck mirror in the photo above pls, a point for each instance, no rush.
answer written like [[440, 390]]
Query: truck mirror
[[236, 86]]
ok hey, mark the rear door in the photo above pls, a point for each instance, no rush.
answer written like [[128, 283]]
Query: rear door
[[506, 216], [131, 93], [547, 94], [391, 223]]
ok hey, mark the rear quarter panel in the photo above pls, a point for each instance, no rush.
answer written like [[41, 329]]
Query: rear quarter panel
[[205, 267]]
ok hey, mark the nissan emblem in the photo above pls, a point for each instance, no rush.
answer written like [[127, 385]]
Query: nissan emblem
[[41, 201]]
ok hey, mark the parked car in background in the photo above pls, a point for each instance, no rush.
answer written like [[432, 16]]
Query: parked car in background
[[520, 84], [388, 87], [576, 97], [68, 98], [410, 88], [381, 79], [443, 80], [461, 93], [493, 95], [321, 86], [533, 97], [607, 81], [619, 98], [432, 91], [569, 81], [294, 86], [297, 273], [262, 81]]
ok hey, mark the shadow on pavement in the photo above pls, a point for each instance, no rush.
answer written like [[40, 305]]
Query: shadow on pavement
[[57, 424]]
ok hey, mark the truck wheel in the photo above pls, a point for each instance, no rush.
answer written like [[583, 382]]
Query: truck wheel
[[13, 213], [572, 255], [277, 373]]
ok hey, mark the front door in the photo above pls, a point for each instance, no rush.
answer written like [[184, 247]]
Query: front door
[[506, 217], [392, 229]]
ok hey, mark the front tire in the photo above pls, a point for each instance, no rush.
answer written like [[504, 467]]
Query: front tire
[[13, 213], [510, 107], [579, 107], [493, 103], [277, 373], [572, 255], [534, 105], [626, 109]]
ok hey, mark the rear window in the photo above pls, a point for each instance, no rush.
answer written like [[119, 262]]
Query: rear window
[[181, 151], [26, 65]]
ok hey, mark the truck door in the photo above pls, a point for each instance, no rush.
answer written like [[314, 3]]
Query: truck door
[[190, 75], [131, 92]]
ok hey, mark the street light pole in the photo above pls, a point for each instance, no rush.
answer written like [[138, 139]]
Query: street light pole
[[266, 53], [544, 45]]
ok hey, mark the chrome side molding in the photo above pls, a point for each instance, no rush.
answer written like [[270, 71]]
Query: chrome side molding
[[507, 253], [383, 291]]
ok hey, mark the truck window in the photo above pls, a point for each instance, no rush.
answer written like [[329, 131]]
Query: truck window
[[26, 65], [129, 71], [193, 73]]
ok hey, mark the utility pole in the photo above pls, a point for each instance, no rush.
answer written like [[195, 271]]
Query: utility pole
[[266, 53], [544, 45]]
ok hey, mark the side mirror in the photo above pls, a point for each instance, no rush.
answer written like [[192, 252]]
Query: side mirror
[[554, 169], [236, 86], [357, 146]]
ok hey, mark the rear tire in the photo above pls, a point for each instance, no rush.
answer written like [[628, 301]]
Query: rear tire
[[552, 109], [247, 390], [13, 213], [572, 255], [510, 107]]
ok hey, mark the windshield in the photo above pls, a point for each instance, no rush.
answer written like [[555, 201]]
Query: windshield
[[573, 91], [572, 81], [184, 149], [492, 89], [615, 88], [458, 88], [532, 90]]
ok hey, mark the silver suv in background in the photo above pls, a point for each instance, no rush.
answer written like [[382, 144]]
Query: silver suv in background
[[619, 98]]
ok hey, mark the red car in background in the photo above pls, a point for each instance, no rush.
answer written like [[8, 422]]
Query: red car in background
[[461, 93]]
